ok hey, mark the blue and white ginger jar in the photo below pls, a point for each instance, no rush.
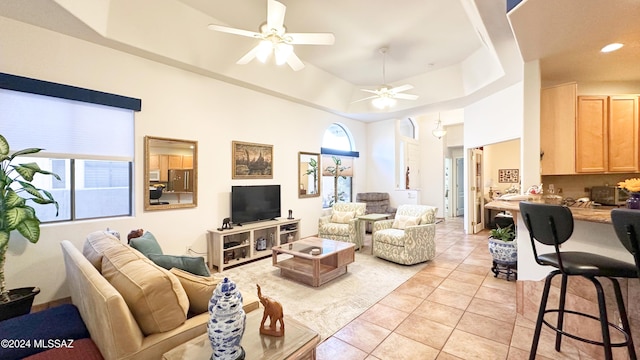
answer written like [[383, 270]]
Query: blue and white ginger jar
[[226, 322]]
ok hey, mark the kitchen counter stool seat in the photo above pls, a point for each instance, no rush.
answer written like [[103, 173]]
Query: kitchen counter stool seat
[[553, 225]]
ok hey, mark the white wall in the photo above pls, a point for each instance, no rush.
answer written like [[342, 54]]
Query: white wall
[[381, 147], [175, 104], [504, 155], [494, 119]]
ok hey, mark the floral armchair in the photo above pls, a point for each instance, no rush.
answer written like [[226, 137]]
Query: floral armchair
[[343, 223], [409, 238]]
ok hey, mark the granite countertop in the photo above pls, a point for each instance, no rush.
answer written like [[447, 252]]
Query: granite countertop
[[601, 214]]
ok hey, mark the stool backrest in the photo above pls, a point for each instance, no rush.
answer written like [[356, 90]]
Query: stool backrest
[[626, 223], [548, 224]]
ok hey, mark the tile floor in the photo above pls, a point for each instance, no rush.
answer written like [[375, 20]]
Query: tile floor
[[453, 309]]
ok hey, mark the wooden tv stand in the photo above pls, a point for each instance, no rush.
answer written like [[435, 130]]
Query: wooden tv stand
[[238, 245]]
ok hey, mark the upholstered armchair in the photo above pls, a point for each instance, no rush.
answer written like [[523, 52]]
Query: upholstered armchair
[[409, 238], [343, 223]]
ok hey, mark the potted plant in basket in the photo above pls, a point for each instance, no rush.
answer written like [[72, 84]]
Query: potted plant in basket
[[504, 250], [16, 191]]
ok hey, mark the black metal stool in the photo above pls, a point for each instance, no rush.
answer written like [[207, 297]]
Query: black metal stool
[[553, 225], [626, 223]]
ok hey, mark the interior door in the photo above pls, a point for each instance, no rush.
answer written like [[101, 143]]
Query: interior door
[[475, 191], [447, 187], [459, 187]]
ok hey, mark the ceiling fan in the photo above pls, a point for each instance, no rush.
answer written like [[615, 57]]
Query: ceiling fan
[[386, 95], [274, 38]]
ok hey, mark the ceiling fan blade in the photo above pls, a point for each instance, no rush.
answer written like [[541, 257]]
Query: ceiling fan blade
[[275, 15], [367, 98], [248, 56], [311, 38], [371, 91], [229, 30], [295, 62], [406, 96], [401, 88]]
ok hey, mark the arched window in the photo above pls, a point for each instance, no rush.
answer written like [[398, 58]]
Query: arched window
[[406, 128], [337, 165]]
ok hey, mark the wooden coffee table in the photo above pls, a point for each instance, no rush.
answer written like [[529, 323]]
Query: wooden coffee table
[[298, 342], [314, 270]]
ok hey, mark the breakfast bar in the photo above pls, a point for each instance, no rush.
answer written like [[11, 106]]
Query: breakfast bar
[[593, 232]]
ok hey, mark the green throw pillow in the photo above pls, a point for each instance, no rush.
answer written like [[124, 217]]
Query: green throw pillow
[[192, 264], [146, 244]]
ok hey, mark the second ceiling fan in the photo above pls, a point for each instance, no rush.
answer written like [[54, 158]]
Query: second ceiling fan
[[274, 38], [386, 96]]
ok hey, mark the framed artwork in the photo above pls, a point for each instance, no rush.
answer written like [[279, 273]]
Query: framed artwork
[[508, 175], [251, 161]]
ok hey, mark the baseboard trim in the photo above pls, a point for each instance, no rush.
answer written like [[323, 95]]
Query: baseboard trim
[[50, 304]]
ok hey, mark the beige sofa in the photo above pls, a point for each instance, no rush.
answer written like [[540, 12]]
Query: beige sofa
[[141, 321]]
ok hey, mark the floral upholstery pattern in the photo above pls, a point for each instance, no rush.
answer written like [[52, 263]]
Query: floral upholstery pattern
[[414, 244], [348, 230]]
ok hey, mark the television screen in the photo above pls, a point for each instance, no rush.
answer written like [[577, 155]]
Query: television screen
[[254, 203]]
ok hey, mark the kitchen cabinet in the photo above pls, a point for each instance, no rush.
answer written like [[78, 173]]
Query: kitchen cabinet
[[607, 134], [557, 129], [187, 162], [623, 134], [175, 161], [154, 162], [591, 134], [160, 163]]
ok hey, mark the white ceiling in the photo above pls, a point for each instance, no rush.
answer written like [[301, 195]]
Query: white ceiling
[[453, 52], [433, 45], [567, 36], [421, 35]]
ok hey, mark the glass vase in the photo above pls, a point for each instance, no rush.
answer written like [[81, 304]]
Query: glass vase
[[633, 202]]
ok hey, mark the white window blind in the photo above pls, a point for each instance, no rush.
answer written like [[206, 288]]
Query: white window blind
[[66, 128]]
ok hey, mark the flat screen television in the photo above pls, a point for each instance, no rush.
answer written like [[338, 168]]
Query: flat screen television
[[251, 203]]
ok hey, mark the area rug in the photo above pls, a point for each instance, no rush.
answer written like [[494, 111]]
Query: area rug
[[327, 308]]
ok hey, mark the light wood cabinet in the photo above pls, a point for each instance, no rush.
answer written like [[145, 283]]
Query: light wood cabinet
[[607, 134], [154, 162], [240, 245], [175, 161], [187, 162], [557, 129], [623, 134], [164, 167], [160, 163], [591, 134]]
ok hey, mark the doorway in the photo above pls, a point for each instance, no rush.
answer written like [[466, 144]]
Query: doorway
[[459, 186], [476, 190]]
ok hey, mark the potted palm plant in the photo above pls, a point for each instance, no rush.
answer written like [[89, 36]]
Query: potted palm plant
[[16, 190], [504, 250], [336, 171]]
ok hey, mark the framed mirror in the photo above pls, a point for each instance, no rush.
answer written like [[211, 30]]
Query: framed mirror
[[308, 174], [170, 173]]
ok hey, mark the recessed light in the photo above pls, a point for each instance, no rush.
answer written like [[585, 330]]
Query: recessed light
[[611, 47]]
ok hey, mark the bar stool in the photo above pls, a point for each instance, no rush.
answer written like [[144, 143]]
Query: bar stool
[[626, 223], [553, 225]]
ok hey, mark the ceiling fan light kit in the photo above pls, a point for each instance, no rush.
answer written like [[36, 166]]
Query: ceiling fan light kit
[[274, 39], [386, 96], [384, 102]]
